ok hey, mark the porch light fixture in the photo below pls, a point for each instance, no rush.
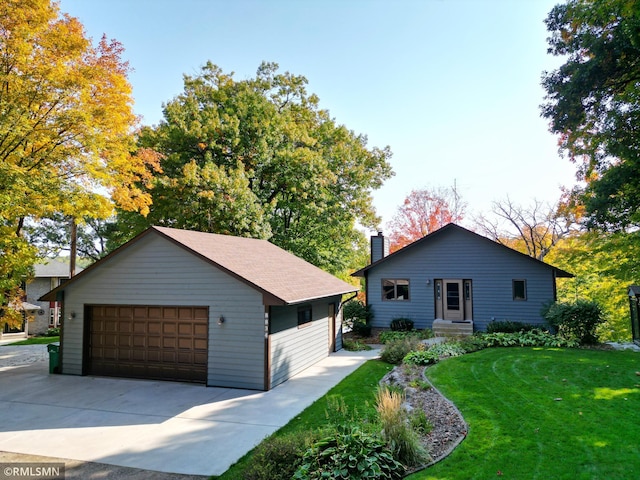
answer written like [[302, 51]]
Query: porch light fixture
[[220, 320], [72, 315], [428, 281]]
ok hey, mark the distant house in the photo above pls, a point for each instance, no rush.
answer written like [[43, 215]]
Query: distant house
[[39, 316], [454, 280], [190, 306], [48, 275]]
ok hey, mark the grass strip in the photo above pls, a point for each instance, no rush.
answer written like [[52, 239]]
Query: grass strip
[[34, 341]]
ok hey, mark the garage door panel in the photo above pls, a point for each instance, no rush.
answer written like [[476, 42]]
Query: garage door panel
[[200, 358], [168, 356], [185, 357], [138, 355], [149, 342], [169, 313], [185, 329], [110, 353], [154, 328], [153, 356]]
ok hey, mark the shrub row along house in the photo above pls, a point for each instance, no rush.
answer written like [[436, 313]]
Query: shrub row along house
[[238, 312]]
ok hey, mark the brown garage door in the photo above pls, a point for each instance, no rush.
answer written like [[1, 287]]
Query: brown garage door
[[167, 343]]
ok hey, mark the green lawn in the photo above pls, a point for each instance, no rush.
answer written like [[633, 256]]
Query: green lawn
[[543, 414], [35, 341]]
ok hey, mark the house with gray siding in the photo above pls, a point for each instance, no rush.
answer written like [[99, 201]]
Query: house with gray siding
[[191, 306], [49, 274], [39, 316], [454, 280]]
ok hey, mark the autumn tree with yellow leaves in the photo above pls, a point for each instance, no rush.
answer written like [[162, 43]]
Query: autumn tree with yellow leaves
[[66, 133]]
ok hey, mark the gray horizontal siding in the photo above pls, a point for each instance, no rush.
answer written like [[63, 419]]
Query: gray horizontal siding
[[459, 255], [294, 349], [154, 271]]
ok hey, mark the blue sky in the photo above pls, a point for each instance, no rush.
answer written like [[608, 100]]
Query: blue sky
[[452, 86]]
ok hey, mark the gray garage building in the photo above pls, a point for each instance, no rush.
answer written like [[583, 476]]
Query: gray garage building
[[191, 306]]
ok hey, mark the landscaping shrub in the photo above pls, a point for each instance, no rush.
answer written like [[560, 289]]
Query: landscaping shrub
[[357, 317], [394, 351], [401, 324], [52, 332], [354, 345], [434, 353], [389, 335], [276, 458], [508, 326], [473, 343], [534, 338], [349, 453], [575, 321], [421, 357]]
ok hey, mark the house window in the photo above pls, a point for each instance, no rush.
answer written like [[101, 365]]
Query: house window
[[304, 315], [395, 289], [519, 289]]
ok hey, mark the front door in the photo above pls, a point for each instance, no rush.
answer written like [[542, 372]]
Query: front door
[[453, 300]]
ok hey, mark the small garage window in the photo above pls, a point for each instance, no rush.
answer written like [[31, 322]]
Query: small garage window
[[304, 315], [519, 289]]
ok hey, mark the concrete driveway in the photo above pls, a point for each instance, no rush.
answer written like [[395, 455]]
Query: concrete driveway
[[152, 425]]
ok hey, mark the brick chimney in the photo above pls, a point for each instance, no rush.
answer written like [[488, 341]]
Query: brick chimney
[[379, 247]]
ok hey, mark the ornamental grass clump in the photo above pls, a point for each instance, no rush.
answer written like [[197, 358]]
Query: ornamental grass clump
[[397, 432]]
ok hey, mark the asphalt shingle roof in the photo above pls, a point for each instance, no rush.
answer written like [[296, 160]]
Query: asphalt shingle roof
[[263, 264], [282, 276]]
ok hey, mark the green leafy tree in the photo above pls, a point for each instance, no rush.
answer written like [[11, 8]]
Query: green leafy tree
[[593, 102], [260, 158], [66, 125], [52, 236], [604, 266]]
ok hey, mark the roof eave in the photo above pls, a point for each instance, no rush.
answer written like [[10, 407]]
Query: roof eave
[[324, 295]]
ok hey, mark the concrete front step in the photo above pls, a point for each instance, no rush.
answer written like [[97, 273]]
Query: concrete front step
[[449, 328]]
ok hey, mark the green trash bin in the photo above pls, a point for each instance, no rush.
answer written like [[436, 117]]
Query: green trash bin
[[54, 357]]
